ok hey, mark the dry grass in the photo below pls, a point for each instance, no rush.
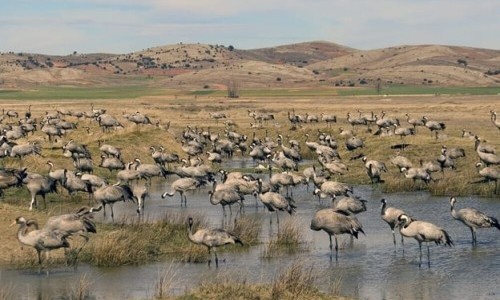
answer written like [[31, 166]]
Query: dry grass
[[458, 112], [6, 292], [288, 240], [296, 281], [135, 243], [247, 228], [82, 288], [164, 282]]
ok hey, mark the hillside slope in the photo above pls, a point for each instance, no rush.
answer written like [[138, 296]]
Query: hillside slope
[[196, 66]]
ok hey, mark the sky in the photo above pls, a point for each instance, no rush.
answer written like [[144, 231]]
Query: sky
[[59, 27]]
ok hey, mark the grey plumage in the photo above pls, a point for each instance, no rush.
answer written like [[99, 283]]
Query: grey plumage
[[226, 196], [11, 178], [182, 185], [417, 174], [335, 222], [84, 164], [76, 149], [486, 155], [275, 202], [333, 188], [106, 122], [149, 170], [111, 163], [351, 205], [422, 232], [140, 192], [433, 126], [374, 169], [79, 222], [473, 218], [40, 185], [489, 174], [211, 238], [40, 239], [354, 143], [128, 174], [329, 119], [415, 122], [109, 150], [390, 215], [110, 194], [400, 161], [20, 151]]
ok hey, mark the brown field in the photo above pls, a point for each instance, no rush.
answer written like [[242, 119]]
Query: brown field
[[458, 112]]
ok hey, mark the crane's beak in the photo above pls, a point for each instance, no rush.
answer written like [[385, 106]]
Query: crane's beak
[[13, 223]]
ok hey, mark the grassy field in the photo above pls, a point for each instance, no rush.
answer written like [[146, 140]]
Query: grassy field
[[141, 90], [470, 112]]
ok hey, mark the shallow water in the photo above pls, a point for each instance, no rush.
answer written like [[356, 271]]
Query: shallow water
[[370, 269]]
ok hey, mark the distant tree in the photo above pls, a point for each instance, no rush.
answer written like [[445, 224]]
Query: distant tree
[[378, 86], [230, 48], [233, 89], [74, 52], [462, 62]]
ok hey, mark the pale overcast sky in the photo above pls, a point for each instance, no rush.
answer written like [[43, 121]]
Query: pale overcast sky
[[121, 26]]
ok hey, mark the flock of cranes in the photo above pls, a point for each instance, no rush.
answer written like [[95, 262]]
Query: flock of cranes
[[282, 153]]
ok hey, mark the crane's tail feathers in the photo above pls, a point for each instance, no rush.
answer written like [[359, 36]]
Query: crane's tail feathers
[[361, 230], [237, 240], [448, 241], [89, 225]]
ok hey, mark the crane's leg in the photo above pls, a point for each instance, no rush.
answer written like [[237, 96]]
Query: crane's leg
[[209, 257], [403, 244], [33, 202], [44, 202], [331, 246], [473, 236], [180, 193], [394, 239], [39, 257], [428, 256], [420, 247], [112, 213], [336, 249], [216, 259]]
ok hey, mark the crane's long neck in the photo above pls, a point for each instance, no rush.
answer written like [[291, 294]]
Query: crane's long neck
[[190, 232], [384, 207], [453, 211], [21, 233], [212, 200]]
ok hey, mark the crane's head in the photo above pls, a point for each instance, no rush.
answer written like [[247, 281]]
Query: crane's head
[[453, 200], [404, 220]]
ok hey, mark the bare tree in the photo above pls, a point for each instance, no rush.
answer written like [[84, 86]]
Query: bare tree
[[233, 89]]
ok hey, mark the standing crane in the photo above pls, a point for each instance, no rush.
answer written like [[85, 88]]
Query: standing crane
[[211, 238]]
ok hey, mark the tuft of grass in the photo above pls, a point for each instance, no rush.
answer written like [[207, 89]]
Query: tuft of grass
[[247, 228], [124, 244], [6, 292], [164, 281], [288, 240], [81, 288], [297, 281]]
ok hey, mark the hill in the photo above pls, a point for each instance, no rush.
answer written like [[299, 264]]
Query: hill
[[197, 66]]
